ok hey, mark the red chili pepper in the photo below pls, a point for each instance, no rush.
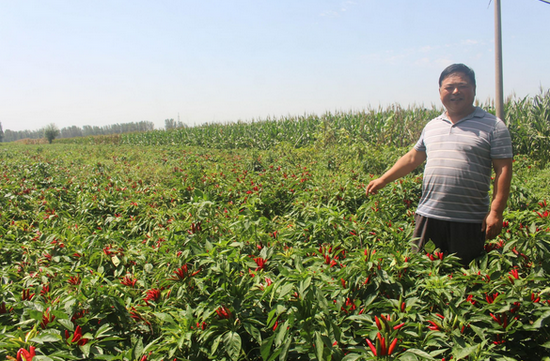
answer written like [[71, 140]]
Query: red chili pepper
[[372, 348], [77, 334], [399, 326], [392, 347], [378, 323], [223, 312], [24, 354], [434, 326], [382, 344], [46, 318], [27, 295], [491, 298], [181, 273]]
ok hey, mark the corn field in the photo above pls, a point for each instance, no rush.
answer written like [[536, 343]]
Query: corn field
[[527, 118]]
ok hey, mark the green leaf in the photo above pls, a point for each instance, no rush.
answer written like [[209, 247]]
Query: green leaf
[[540, 321], [67, 324], [232, 342], [352, 357], [319, 346], [85, 349], [408, 357], [41, 358], [274, 355], [464, 352], [164, 317], [429, 246], [299, 264], [253, 331], [303, 286], [284, 350], [45, 336], [286, 289], [102, 331], [181, 340], [420, 353], [216, 344], [281, 333], [265, 348], [270, 316]]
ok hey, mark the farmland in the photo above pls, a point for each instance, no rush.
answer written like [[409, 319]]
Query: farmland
[[257, 242]]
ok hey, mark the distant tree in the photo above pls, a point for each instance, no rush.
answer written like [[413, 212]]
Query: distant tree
[[71, 132], [74, 131], [169, 124], [12, 136], [51, 132], [145, 126]]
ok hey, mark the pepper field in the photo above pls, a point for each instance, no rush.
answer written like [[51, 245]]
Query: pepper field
[[214, 252]]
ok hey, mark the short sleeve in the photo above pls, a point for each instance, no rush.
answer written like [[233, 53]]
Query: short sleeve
[[420, 146], [501, 143]]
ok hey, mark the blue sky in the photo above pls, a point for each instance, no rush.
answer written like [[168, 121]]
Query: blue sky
[[106, 62]]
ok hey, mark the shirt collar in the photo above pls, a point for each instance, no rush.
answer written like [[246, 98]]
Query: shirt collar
[[477, 113]]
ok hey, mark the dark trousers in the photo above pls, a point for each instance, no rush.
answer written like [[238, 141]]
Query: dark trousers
[[466, 240]]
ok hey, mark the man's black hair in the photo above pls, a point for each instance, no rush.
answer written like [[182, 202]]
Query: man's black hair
[[458, 68]]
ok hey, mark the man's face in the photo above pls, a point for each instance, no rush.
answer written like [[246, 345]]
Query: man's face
[[457, 94]]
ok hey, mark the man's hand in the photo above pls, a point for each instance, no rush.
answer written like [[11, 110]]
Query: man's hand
[[492, 225], [401, 168], [501, 189], [375, 185]]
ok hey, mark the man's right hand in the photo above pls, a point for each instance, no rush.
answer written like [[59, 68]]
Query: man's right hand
[[375, 185], [401, 168]]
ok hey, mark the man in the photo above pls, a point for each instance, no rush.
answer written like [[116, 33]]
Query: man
[[459, 147]]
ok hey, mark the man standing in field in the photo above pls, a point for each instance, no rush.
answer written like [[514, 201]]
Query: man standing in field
[[460, 147]]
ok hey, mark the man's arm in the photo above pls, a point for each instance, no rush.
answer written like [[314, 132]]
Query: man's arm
[[401, 168], [501, 189]]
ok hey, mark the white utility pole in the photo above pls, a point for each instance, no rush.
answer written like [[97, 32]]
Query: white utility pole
[[499, 94]]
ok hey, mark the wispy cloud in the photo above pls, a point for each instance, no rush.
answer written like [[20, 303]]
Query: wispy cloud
[[422, 61], [343, 7], [471, 42], [441, 62], [330, 14], [429, 55]]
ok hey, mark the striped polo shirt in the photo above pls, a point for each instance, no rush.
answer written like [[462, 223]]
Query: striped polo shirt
[[457, 175]]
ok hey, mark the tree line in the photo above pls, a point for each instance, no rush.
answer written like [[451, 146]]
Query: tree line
[[75, 131]]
